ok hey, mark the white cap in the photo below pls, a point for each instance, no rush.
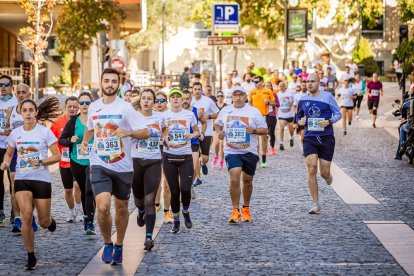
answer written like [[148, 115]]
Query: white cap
[[238, 88]]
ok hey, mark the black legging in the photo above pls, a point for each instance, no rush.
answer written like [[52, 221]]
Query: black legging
[[271, 126], [81, 175], [147, 178], [2, 153], [178, 171], [358, 101]]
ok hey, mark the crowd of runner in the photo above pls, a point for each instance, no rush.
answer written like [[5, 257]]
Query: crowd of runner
[[157, 143]]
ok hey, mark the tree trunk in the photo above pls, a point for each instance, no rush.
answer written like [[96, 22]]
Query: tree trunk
[[36, 81], [81, 73], [235, 57]]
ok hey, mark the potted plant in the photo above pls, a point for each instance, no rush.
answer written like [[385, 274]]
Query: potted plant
[[59, 84]]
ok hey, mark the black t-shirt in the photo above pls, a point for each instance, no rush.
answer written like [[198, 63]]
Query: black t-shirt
[[213, 98]]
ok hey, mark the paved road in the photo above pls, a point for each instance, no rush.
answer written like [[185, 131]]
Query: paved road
[[282, 237]]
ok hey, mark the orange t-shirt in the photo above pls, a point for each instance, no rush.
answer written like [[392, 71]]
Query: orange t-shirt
[[57, 128], [258, 99]]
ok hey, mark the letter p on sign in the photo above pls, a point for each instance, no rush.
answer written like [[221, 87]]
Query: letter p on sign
[[228, 11]]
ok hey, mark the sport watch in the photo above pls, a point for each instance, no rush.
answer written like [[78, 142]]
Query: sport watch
[[330, 122]]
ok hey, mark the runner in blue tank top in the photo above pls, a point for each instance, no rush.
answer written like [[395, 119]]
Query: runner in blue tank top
[[317, 112]]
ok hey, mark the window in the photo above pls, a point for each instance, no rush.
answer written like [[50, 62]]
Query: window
[[375, 31], [200, 30]]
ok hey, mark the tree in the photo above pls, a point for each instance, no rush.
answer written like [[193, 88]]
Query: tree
[[363, 55], [34, 37], [405, 51], [80, 21]]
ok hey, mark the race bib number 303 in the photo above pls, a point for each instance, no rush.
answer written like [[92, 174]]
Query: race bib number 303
[[236, 135]]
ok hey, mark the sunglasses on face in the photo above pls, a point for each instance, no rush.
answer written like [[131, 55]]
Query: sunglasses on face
[[256, 81], [5, 84], [84, 102], [160, 100], [220, 96]]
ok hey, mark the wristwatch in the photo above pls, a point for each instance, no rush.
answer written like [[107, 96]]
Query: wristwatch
[[40, 162], [330, 122], [254, 131]]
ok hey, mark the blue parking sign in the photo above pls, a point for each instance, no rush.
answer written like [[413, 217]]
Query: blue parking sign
[[226, 14]]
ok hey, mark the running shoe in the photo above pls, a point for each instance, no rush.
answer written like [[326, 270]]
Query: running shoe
[[197, 182], [291, 142], [71, 217], [235, 216], [282, 147], [34, 224], [263, 165], [117, 256], [89, 228], [193, 193], [316, 210], [221, 166], [204, 169], [167, 217], [215, 160], [52, 226], [176, 227], [79, 216], [357, 116], [17, 226], [187, 220], [273, 150], [31, 264], [107, 253], [141, 219], [157, 207], [374, 126], [246, 214], [2, 217], [148, 244], [344, 132]]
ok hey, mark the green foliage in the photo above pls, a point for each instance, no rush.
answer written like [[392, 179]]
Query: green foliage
[[363, 55], [80, 21], [177, 15], [65, 72], [349, 11], [405, 54], [407, 10]]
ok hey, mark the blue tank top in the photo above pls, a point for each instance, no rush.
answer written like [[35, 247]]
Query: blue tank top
[[194, 141]]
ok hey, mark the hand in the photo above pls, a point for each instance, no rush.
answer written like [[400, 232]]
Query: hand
[[201, 138], [74, 139], [122, 133], [165, 143], [250, 130], [84, 148], [221, 135], [323, 123], [187, 136], [4, 166], [302, 121], [7, 131], [34, 162], [267, 102]]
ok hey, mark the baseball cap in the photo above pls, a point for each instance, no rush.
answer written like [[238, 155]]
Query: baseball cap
[[176, 91], [238, 88]]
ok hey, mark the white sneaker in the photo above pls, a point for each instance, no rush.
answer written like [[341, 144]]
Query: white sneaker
[[316, 210], [193, 193], [79, 216], [71, 217]]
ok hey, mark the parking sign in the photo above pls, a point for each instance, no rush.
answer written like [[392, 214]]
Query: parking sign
[[226, 19]]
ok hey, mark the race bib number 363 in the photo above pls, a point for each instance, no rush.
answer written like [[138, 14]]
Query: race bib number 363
[[108, 146]]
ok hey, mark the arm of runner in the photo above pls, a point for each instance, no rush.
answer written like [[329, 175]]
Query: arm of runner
[[196, 132], [272, 99], [8, 130], [214, 109], [300, 115], [218, 126], [65, 139], [7, 158], [54, 158], [336, 113], [259, 127], [139, 129]]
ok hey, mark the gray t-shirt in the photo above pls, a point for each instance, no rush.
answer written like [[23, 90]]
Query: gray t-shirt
[[331, 83]]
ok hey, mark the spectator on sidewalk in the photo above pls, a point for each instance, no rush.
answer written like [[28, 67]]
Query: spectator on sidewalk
[[185, 78]]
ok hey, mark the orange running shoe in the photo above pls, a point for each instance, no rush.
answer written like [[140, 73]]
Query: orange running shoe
[[168, 218], [246, 214], [235, 216]]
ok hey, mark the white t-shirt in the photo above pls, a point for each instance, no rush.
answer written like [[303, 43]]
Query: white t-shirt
[[346, 96], [297, 98], [33, 144], [227, 95], [109, 150], [354, 68], [3, 119], [208, 107], [286, 101], [248, 86], [178, 124], [234, 122], [325, 66], [16, 120], [346, 76], [236, 80], [150, 148]]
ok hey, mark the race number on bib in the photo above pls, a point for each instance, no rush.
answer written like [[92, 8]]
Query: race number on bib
[[65, 155], [179, 137], [3, 122], [79, 152], [151, 145], [330, 85], [236, 135], [24, 161], [110, 146], [374, 92], [313, 124]]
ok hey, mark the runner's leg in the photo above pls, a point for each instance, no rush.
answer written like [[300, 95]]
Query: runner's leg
[[312, 166]]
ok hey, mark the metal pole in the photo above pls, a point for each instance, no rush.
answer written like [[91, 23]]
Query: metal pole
[[286, 35], [163, 38], [221, 67]]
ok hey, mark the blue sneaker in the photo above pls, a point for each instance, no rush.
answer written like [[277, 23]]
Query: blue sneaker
[[117, 257], [90, 229], [197, 182], [107, 253], [17, 226], [34, 224], [204, 169]]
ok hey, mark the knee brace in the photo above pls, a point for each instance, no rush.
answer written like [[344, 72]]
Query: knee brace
[[374, 112]]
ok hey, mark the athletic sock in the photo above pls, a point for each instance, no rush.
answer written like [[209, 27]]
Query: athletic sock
[[317, 203], [78, 206], [149, 235], [176, 216], [263, 158], [185, 208], [244, 206], [72, 211]]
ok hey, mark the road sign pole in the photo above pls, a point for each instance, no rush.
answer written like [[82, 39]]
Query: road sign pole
[[286, 35], [220, 52]]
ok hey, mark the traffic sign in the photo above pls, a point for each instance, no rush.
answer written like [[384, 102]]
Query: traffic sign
[[226, 18], [118, 64], [226, 40]]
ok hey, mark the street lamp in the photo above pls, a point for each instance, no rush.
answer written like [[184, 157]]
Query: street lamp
[[162, 40]]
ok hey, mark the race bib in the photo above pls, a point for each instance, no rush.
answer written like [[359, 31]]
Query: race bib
[[109, 146], [330, 85], [345, 97], [270, 108], [313, 124], [79, 152], [236, 135], [374, 92], [178, 137], [150, 145], [24, 161], [65, 155]]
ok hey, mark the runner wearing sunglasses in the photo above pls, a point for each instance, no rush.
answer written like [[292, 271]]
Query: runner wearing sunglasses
[[217, 143]]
